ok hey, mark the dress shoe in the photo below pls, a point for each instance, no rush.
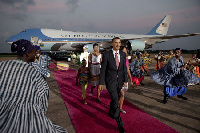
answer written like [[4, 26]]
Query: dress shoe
[[98, 99], [122, 111], [180, 96], [121, 129], [85, 102]]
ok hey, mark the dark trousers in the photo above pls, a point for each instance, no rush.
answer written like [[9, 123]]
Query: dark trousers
[[114, 106]]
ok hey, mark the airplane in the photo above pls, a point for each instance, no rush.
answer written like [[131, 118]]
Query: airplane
[[60, 40]]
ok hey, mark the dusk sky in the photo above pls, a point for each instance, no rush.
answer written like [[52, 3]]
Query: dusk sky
[[113, 16]]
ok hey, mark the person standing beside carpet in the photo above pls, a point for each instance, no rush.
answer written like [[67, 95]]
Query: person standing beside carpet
[[42, 63], [24, 94], [78, 59], [73, 56], [84, 55], [114, 73]]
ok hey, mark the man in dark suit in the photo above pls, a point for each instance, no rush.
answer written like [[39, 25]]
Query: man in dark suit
[[114, 74]]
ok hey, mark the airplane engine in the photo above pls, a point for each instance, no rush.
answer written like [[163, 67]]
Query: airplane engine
[[90, 47], [135, 44]]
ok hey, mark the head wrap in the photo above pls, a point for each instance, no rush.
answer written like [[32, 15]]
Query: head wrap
[[22, 46], [85, 47], [37, 47]]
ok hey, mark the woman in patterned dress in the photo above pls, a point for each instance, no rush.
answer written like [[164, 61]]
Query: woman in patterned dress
[[159, 60], [174, 77], [193, 67], [42, 63], [137, 69], [24, 94], [95, 59], [147, 61]]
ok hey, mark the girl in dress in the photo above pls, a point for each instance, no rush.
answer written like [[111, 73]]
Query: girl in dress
[[125, 88], [82, 78]]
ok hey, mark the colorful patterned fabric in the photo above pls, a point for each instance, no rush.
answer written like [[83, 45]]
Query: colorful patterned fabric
[[169, 57], [137, 80], [192, 67], [159, 65], [42, 64], [84, 77], [147, 61], [135, 71], [172, 76]]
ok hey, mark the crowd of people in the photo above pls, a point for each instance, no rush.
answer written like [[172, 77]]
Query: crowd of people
[[171, 72], [112, 68]]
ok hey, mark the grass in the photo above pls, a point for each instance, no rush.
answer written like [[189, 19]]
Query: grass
[[8, 55]]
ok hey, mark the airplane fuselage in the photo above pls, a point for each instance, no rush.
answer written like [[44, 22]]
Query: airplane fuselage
[[49, 38]]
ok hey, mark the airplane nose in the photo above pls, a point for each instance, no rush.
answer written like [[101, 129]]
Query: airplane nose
[[10, 40]]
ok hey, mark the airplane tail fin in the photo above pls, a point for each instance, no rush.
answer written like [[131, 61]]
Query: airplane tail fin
[[162, 27]]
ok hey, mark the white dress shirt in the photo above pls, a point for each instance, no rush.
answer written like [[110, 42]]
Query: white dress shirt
[[114, 52]]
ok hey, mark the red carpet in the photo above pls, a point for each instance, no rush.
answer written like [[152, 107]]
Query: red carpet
[[93, 117]]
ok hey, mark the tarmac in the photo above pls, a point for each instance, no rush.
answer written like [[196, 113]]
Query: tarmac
[[181, 115]]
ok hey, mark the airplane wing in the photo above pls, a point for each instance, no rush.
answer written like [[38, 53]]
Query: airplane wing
[[154, 39], [148, 39], [174, 36], [80, 45], [77, 45]]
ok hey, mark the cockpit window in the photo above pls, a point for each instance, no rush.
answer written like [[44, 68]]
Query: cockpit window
[[24, 31]]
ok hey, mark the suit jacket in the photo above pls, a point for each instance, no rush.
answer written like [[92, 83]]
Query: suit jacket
[[109, 73]]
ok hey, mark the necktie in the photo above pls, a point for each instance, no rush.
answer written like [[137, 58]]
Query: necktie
[[116, 60]]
